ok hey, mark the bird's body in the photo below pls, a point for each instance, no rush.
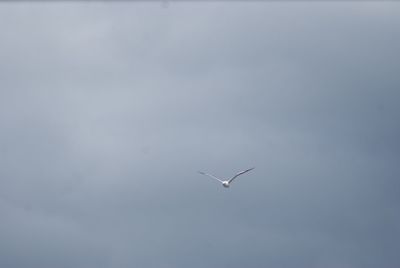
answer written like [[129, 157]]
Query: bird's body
[[226, 183]]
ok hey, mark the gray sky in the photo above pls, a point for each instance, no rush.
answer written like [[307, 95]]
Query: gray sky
[[107, 111]]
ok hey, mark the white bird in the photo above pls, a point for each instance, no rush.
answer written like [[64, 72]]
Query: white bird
[[226, 183]]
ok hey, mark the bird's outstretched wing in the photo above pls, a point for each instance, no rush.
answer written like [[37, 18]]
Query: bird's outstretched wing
[[238, 174], [211, 176]]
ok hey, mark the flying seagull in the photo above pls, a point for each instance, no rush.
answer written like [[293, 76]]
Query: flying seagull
[[226, 183]]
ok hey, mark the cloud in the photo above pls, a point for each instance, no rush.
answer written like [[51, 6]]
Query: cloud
[[108, 111]]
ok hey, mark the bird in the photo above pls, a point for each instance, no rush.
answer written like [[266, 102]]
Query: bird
[[226, 183]]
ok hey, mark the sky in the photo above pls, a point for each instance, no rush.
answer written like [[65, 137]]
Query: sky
[[109, 110]]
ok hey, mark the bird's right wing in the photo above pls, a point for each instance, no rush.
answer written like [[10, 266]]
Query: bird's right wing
[[240, 173], [211, 176]]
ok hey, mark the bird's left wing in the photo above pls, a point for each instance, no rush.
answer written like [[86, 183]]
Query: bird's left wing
[[240, 173], [209, 175]]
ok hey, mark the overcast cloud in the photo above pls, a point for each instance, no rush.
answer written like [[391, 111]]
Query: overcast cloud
[[108, 110]]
